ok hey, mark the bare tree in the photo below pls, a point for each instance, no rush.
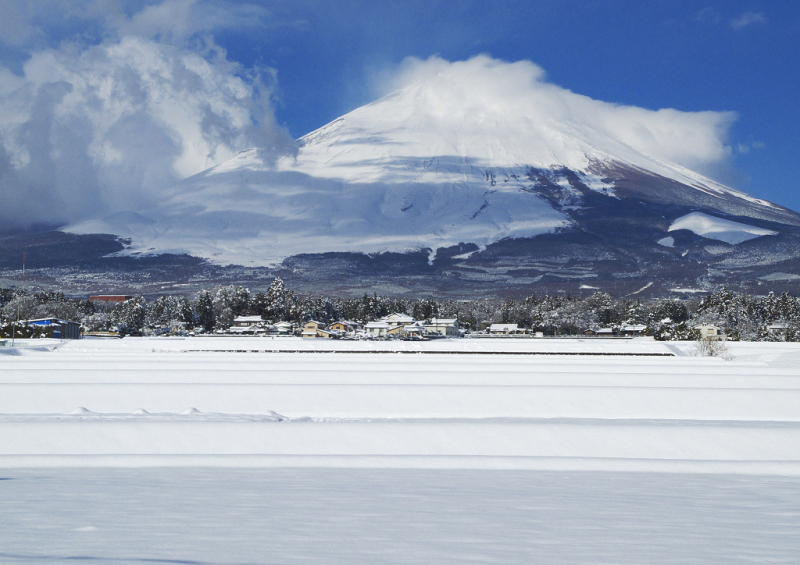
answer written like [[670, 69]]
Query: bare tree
[[711, 347]]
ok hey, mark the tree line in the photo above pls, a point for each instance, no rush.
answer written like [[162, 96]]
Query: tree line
[[742, 316]]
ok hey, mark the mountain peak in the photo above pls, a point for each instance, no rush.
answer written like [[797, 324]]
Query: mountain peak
[[439, 162]]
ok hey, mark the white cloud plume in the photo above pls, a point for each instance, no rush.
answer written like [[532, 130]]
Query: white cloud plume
[[748, 19], [481, 86], [87, 131]]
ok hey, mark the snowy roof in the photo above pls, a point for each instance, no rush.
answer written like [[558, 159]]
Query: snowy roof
[[248, 319], [634, 328], [446, 321], [398, 318], [503, 327], [376, 325]]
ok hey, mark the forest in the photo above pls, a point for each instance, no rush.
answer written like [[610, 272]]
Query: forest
[[741, 316]]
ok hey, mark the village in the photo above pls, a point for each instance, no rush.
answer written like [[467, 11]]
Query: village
[[392, 327], [234, 311], [405, 327]]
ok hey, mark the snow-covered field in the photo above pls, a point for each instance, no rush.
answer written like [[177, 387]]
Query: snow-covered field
[[254, 450]]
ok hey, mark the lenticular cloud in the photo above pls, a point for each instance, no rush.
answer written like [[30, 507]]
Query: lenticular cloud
[[90, 131], [487, 89]]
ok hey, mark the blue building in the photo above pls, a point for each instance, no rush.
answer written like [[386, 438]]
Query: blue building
[[62, 329]]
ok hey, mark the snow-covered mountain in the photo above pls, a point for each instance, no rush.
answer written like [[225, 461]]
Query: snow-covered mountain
[[403, 173], [473, 184]]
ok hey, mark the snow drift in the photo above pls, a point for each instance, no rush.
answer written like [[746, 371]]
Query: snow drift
[[718, 228]]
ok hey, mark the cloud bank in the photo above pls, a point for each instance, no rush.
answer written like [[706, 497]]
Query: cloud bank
[[483, 86], [92, 129]]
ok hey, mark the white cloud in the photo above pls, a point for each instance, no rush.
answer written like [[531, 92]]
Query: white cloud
[[29, 24], [175, 21], [92, 130], [748, 19], [482, 86]]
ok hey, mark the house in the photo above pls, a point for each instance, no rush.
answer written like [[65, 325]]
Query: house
[[397, 331], [377, 329], [443, 326], [250, 325], [780, 328], [415, 331], [247, 321], [406, 330], [312, 328], [633, 330], [601, 332], [281, 328], [710, 332], [62, 329], [397, 319], [345, 326], [504, 329]]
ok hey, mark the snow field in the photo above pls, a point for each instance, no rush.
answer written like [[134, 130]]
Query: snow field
[[368, 516], [501, 409]]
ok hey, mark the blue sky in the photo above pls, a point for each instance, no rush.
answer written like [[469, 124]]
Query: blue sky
[[305, 62]]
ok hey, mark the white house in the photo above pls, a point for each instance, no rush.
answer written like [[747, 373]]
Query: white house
[[443, 326], [397, 319], [247, 325], [710, 331], [377, 329]]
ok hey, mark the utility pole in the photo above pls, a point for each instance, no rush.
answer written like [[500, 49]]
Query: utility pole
[[14, 325]]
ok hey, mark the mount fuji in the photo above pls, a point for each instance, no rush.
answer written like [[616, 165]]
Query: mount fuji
[[439, 189]]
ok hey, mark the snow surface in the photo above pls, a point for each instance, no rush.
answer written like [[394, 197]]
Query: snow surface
[[717, 228], [489, 403], [368, 516], [260, 450], [403, 173]]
